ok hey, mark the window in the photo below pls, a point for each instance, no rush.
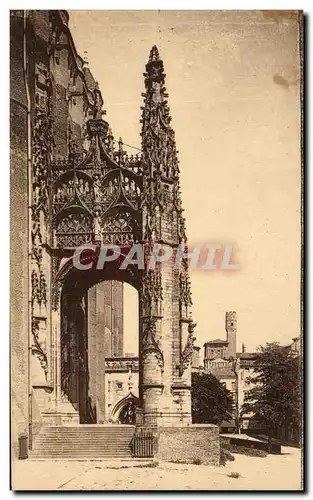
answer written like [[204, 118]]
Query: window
[[233, 386], [119, 386]]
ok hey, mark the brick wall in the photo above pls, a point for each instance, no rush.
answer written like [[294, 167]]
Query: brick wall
[[190, 443], [19, 238]]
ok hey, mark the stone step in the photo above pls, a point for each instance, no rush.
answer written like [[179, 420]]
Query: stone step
[[74, 439], [103, 440], [90, 436], [92, 442], [79, 444], [95, 453], [89, 433], [69, 446], [82, 456], [80, 452], [107, 461], [93, 434], [78, 448], [92, 428]]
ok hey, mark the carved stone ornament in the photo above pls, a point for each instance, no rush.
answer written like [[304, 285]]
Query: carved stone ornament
[[186, 356], [151, 288], [160, 163], [184, 285], [149, 343], [37, 348], [158, 138], [39, 288], [97, 198], [42, 146]]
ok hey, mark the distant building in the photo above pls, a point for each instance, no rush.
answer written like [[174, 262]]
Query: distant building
[[246, 362], [195, 364], [121, 385], [231, 368], [234, 369], [222, 349], [295, 346], [121, 388]]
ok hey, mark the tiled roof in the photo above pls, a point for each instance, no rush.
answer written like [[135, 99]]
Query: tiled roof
[[247, 359], [216, 341], [221, 372], [246, 355]]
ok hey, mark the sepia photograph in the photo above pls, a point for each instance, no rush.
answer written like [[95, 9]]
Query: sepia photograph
[[156, 250]]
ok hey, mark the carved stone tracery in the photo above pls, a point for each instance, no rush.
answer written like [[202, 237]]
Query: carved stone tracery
[[149, 342], [100, 193], [184, 285], [151, 288], [74, 229], [37, 348], [105, 185], [42, 147], [186, 355]]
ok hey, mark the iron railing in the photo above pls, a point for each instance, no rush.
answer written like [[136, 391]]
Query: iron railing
[[143, 443]]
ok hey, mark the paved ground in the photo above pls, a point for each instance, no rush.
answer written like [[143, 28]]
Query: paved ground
[[272, 472]]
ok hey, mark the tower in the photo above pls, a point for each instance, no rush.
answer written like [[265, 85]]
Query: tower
[[167, 336], [231, 330], [82, 190]]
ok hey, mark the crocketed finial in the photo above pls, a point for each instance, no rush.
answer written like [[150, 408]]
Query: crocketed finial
[[154, 54], [85, 58], [120, 145]]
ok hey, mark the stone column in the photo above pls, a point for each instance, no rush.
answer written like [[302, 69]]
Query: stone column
[[152, 365], [168, 288]]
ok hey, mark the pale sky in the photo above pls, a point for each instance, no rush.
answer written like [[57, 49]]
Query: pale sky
[[233, 84]]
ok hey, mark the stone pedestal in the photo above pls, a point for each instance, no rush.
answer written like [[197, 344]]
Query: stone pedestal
[[188, 444]]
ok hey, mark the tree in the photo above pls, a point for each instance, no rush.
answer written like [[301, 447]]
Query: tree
[[211, 402], [275, 398]]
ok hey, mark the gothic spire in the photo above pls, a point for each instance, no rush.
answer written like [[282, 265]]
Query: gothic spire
[[161, 190], [158, 138], [154, 54]]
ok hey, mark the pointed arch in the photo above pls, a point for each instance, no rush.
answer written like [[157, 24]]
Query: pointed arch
[[74, 227], [122, 404]]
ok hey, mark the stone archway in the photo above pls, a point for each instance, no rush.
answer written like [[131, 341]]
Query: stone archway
[[77, 353], [102, 195], [124, 411]]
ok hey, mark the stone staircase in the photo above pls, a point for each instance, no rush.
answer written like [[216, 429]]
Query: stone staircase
[[88, 442]]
